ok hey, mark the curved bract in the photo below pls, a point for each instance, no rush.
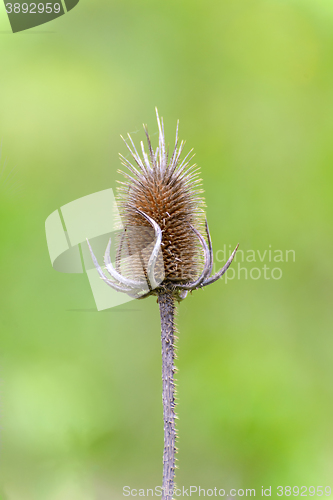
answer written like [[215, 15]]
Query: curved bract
[[179, 291]]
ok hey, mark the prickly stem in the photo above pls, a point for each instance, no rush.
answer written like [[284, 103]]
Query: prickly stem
[[167, 309]]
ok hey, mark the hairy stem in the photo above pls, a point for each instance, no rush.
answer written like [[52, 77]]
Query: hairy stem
[[167, 309]]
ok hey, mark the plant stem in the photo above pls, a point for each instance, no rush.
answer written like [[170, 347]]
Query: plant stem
[[167, 309]]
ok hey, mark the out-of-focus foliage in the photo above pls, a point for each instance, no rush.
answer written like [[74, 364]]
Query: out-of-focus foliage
[[252, 84]]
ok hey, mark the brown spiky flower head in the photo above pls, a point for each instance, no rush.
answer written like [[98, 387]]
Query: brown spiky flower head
[[161, 247], [167, 190], [162, 251]]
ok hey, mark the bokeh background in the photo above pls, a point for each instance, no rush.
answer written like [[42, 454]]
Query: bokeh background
[[252, 84]]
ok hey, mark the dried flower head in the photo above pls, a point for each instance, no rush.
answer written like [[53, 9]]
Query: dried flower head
[[168, 191], [161, 247]]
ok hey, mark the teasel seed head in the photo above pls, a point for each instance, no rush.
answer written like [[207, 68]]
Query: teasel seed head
[[167, 189], [161, 248]]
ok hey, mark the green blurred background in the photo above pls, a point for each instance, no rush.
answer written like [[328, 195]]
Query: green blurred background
[[252, 84]]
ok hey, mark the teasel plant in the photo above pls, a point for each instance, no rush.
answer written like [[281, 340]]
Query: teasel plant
[[164, 250]]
